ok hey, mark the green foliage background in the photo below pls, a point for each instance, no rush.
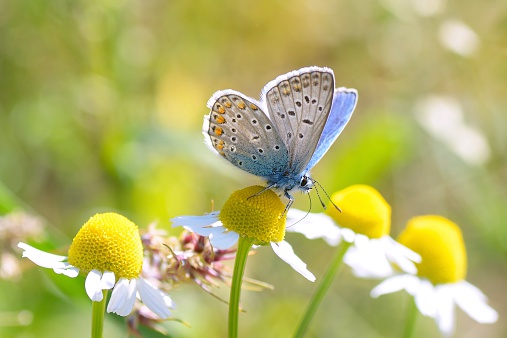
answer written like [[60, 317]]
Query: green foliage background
[[101, 106]]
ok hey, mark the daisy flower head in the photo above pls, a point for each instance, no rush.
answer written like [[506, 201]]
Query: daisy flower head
[[364, 220], [439, 284], [250, 213], [108, 251]]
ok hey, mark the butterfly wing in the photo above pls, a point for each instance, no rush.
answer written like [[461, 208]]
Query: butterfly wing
[[299, 103], [242, 133], [344, 102]]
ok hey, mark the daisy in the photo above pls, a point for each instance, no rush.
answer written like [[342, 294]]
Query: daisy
[[439, 284], [362, 227], [108, 250], [364, 222], [245, 214]]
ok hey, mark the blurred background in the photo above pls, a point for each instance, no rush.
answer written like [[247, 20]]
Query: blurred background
[[101, 107]]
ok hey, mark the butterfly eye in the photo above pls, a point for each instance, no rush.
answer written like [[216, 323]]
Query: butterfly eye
[[304, 181]]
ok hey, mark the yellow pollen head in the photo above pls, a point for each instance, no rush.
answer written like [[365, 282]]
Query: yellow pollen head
[[440, 244], [256, 217], [364, 211], [108, 242]]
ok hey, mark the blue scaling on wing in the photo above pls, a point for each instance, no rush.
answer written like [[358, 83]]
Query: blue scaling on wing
[[344, 102]]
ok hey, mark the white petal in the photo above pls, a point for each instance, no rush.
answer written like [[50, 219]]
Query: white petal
[[473, 302], [154, 299], [285, 252], [202, 225], [69, 271], [224, 240], [445, 309], [123, 297], [400, 255], [92, 285], [348, 235], [313, 226], [42, 258], [403, 250], [394, 284], [107, 280], [426, 298], [119, 295], [368, 261]]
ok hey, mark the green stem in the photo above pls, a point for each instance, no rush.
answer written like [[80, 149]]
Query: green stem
[[244, 245], [411, 319], [98, 310], [322, 288]]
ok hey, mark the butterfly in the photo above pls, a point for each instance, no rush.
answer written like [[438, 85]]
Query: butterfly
[[281, 137]]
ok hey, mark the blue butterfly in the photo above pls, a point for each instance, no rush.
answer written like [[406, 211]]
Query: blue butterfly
[[281, 137]]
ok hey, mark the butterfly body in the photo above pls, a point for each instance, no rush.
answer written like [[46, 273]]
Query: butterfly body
[[282, 136]]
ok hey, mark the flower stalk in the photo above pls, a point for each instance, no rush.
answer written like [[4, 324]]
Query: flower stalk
[[98, 311], [322, 289], [244, 246], [411, 319]]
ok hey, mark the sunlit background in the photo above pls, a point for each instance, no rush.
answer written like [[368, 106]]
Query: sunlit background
[[101, 107]]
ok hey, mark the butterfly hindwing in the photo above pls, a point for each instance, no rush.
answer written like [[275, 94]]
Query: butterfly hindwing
[[242, 133]]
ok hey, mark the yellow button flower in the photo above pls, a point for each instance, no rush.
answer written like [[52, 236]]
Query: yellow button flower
[[364, 221], [249, 213], [363, 210], [109, 252], [258, 217], [439, 284], [440, 243]]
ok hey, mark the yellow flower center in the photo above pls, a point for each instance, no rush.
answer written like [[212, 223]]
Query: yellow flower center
[[258, 217], [440, 244], [108, 242], [364, 211]]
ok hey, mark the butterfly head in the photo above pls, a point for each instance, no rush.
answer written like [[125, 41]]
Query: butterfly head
[[306, 183]]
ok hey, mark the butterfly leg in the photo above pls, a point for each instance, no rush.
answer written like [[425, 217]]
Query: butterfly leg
[[273, 185], [289, 204]]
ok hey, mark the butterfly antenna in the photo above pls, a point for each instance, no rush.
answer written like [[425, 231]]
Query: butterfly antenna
[[327, 195], [307, 213]]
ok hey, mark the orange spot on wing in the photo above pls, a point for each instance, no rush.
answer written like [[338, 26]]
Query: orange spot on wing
[[220, 119], [218, 131], [220, 110]]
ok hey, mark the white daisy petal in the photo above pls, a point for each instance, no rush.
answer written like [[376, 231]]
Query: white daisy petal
[[43, 259], [348, 235], [92, 285], [473, 302], [224, 240], [123, 297], [445, 316], [403, 250], [368, 261], [313, 226], [119, 295], [425, 297], [30, 250], [395, 253], [394, 284], [107, 280], [155, 300], [201, 225], [68, 270], [286, 253]]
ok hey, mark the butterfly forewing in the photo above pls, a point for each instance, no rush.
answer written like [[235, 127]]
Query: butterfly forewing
[[299, 104], [241, 132]]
